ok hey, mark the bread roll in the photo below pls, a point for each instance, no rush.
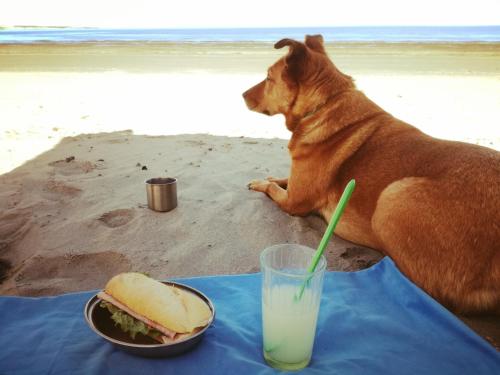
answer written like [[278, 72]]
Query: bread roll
[[173, 308]]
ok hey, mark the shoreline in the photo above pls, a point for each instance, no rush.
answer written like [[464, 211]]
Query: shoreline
[[244, 44], [466, 59]]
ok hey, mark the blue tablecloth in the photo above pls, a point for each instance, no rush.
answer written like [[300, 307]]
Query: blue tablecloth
[[371, 322]]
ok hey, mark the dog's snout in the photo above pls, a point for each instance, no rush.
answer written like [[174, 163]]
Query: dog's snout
[[245, 94], [254, 96], [249, 100]]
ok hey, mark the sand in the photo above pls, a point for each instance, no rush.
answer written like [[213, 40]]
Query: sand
[[83, 126]]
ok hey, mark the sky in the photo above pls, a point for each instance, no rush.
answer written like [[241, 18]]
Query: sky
[[248, 13]]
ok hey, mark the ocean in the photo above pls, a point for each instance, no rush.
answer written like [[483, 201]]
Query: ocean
[[389, 34]]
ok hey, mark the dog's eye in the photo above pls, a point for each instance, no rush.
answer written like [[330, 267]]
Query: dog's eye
[[269, 78]]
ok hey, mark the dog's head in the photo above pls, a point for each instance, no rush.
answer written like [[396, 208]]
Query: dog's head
[[298, 83]]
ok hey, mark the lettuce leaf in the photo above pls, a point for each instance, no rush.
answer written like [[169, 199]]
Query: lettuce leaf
[[128, 323]]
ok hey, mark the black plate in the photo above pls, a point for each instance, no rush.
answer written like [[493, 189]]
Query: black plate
[[100, 321]]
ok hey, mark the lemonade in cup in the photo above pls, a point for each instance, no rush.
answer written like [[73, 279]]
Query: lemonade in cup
[[288, 322]]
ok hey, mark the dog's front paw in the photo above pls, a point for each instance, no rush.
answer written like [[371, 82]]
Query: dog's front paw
[[258, 185]]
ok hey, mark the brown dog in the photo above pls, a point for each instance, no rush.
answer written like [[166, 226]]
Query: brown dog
[[433, 206]]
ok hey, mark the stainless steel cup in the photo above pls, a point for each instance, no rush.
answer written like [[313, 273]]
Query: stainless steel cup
[[162, 193]]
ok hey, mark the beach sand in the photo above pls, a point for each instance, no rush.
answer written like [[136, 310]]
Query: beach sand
[[82, 126]]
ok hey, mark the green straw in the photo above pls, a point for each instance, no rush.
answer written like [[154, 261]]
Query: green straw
[[339, 210]]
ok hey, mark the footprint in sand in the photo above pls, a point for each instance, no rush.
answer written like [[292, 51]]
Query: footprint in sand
[[71, 166], [70, 272], [14, 224], [55, 190], [117, 218]]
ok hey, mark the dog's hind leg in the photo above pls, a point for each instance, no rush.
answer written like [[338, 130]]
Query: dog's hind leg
[[425, 230]]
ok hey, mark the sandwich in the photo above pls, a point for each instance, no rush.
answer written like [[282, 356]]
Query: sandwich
[[139, 304]]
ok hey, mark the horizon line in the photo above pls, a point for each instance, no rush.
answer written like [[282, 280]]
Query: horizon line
[[226, 27]]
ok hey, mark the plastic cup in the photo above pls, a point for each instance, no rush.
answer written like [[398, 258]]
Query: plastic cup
[[288, 324]]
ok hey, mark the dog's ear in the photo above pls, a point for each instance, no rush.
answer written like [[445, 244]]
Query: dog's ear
[[296, 58], [287, 42], [315, 42]]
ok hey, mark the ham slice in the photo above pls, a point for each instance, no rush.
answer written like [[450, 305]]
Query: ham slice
[[170, 334]]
